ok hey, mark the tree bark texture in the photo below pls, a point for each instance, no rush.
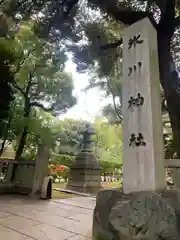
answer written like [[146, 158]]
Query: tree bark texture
[[22, 142], [5, 135], [168, 75]]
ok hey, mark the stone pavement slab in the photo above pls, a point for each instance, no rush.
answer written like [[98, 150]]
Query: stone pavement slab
[[9, 234], [22, 218], [77, 237], [46, 232]]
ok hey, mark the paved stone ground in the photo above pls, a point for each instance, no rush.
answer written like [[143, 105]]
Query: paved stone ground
[[22, 218]]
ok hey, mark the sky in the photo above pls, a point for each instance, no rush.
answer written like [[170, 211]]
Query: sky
[[89, 104]]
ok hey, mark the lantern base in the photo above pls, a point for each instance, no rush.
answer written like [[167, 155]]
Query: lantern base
[[84, 174]]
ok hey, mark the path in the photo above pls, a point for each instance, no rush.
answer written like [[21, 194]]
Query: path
[[26, 219]]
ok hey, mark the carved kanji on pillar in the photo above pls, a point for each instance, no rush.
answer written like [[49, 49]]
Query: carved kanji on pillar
[[143, 159]]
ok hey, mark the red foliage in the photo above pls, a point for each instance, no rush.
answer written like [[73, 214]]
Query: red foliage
[[56, 168]]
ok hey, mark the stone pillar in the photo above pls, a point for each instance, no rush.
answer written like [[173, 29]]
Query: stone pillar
[[41, 173], [143, 152]]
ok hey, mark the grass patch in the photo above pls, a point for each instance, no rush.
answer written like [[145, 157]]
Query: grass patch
[[58, 185], [107, 185], [104, 185], [60, 195]]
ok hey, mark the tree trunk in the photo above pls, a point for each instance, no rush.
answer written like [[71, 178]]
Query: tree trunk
[[168, 75], [27, 110], [21, 143], [2, 147], [5, 136], [169, 80], [175, 124]]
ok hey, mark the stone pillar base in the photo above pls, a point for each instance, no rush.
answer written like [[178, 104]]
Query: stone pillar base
[[144, 215], [45, 192], [84, 174]]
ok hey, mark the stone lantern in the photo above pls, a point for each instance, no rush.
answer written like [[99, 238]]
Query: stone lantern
[[84, 175]]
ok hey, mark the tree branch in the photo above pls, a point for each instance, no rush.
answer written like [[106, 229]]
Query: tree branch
[[121, 13], [114, 102], [119, 90], [166, 22], [111, 45], [37, 104], [177, 21], [2, 1], [27, 56], [116, 109], [70, 5], [46, 109], [23, 60], [25, 93], [129, 17], [148, 6], [126, 16], [15, 85], [31, 75]]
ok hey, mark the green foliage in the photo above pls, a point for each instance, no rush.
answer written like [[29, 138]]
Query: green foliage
[[70, 138], [41, 77], [170, 147], [61, 159], [51, 17], [103, 65], [40, 82], [114, 116], [108, 142]]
